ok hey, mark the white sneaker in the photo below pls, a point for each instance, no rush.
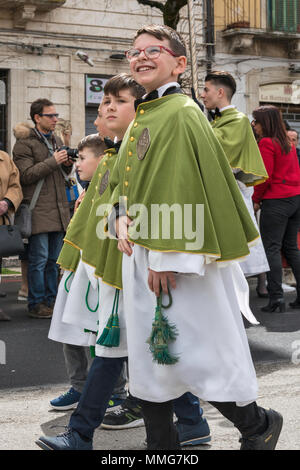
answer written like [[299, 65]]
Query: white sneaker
[[287, 288]]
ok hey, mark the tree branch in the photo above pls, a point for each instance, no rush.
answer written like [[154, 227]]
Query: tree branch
[[170, 10], [152, 4]]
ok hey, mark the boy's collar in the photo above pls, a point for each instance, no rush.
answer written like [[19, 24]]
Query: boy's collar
[[161, 91], [230, 106]]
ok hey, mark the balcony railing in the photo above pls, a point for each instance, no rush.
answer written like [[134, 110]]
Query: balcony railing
[[271, 15]]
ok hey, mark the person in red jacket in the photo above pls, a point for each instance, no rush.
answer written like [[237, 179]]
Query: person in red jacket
[[279, 200]]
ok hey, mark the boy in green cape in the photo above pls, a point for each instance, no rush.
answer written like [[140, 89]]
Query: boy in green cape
[[233, 130], [103, 256], [185, 218]]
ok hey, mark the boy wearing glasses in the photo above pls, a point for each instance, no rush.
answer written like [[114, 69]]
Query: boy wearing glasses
[[170, 158], [37, 157]]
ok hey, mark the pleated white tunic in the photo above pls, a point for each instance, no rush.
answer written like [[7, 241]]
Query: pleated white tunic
[[214, 357], [76, 310]]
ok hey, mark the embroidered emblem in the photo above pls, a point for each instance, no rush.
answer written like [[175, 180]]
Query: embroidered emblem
[[104, 182], [143, 144]]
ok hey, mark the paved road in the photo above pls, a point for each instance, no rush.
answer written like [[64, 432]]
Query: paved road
[[34, 373], [32, 359]]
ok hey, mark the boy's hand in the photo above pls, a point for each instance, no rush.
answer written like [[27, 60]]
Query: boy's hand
[[122, 224], [157, 279]]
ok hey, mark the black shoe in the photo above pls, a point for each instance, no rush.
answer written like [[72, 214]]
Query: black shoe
[[264, 295], [295, 304], [268, 439], [128, 415], [273, 305], [69, 440]]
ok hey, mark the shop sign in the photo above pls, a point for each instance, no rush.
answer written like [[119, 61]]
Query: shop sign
[[280, 93]]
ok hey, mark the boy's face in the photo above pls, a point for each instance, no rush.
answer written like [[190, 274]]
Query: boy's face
[[100, 125], [118, 112], [293, 136], [86, 164], [211, 95], [153, 73]]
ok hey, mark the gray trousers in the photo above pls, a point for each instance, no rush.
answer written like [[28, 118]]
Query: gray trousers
[[78, 361]]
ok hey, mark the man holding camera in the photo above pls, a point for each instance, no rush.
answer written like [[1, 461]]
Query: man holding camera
[[43, 164]]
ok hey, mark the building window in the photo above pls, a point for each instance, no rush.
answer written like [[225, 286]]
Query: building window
[[3, 109], [284, 15], [94, 85]]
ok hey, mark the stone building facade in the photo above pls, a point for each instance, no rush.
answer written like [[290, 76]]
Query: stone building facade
[[38, 44], [258, 41]]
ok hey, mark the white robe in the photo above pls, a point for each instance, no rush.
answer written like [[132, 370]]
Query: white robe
[[71, 314], [256, 262], [214, 357], [60, 331]]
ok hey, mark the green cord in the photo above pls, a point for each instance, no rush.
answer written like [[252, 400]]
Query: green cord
[[87, 295], [66, 289], [170, 300]]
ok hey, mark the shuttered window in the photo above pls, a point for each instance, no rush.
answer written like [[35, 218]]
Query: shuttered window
[[284, 15]]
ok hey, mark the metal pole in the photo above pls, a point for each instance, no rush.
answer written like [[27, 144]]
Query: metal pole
[[193, 49]]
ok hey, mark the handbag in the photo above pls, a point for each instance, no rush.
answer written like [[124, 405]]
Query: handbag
[[24, 213], [11, 242]]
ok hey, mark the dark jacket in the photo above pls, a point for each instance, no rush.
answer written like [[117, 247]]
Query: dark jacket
[[31, 156]]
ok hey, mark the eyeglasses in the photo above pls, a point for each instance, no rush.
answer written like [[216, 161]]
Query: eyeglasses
[[50, 116], [151, 52]]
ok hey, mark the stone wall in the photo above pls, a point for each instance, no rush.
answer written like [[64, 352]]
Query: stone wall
[[41, 57]]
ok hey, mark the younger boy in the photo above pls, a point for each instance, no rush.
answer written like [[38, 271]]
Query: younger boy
[[77, 356], [171, 151], [118, 110]]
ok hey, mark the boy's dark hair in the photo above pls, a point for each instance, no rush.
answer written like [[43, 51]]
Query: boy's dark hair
[[37, 107], [223, 79], [93, 142], [161, 32], [123, 81]]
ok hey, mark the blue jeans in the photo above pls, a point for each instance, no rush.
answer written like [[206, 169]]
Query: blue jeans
[[43, 251], [100, 383]]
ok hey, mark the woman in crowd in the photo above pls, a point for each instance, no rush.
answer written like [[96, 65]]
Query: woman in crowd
[[10, 196], [279, 200]]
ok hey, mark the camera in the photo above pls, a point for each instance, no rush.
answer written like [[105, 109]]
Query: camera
[[72, 153]]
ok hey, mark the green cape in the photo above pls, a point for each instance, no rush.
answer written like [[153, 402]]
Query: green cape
[[98, 250], [70, 253], [234, 132], [86, 233], [170, 155]]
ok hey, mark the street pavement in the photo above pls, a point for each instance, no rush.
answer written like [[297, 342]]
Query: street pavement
[[32, 372]]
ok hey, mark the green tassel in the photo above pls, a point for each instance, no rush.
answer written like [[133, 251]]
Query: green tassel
[[92, 351], [161, 335], [105, 331], [111, 334]]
